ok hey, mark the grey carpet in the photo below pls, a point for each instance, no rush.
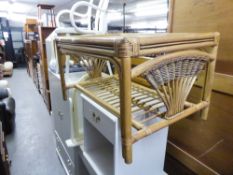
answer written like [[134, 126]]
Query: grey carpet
[[32, 146]]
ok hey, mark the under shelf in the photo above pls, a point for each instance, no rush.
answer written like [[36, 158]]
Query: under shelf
[[146, 105]]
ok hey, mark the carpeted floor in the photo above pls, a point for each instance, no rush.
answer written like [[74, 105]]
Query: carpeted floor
[[32, 146]]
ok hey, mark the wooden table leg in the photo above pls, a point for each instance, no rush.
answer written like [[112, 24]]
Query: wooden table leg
[[61, 63], [208, 83], [125, 109]]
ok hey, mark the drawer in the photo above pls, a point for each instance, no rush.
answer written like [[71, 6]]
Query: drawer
[[100, 118], [62, 122], [64, 157]]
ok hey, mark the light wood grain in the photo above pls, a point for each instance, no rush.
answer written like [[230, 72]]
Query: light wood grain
[[208, 16]]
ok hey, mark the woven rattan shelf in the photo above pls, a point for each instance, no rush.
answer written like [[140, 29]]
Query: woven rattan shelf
[[145, 103], [169, 63]]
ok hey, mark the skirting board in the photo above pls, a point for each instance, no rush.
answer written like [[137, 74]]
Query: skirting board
[[188, 160]]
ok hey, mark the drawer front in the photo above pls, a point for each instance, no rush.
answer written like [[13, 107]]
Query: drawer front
[[102, 120], [65, 159]]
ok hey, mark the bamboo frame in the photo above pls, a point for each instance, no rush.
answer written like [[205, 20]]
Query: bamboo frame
[[125, 111], [150, 63], [131, 98], [61, 63], [209, 80], [153, 128]]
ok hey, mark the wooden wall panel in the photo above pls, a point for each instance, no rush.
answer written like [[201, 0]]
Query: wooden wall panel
[[206, 147], [208, 16]]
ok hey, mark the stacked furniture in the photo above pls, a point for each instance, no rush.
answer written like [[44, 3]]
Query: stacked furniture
[[6, 48], [5, 34], [62, 113], [121, 116], [68, 128], [6, 68], [44, 30], [31, 49], [36, 31]]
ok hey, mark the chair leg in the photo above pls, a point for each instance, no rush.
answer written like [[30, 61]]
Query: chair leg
[[208, 84]]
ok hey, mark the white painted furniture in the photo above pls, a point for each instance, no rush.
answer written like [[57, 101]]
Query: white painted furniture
[[102, 145], [68, 130], [100, 25], [61, 113]]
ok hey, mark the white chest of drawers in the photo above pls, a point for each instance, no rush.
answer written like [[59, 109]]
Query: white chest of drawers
[[70, 157]]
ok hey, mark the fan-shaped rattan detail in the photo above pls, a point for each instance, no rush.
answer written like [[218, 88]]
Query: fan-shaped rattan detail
[[94, 66], [173, 80]]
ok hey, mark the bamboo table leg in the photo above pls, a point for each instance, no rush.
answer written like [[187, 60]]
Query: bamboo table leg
[[208, 83], [61, 62], [125, 109]]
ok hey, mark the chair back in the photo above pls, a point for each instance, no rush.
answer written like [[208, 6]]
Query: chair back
[[100, 21], [100, 24]]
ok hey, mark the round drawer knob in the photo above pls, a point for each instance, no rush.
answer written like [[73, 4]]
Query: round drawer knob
[[97, 119], [60, 114]]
